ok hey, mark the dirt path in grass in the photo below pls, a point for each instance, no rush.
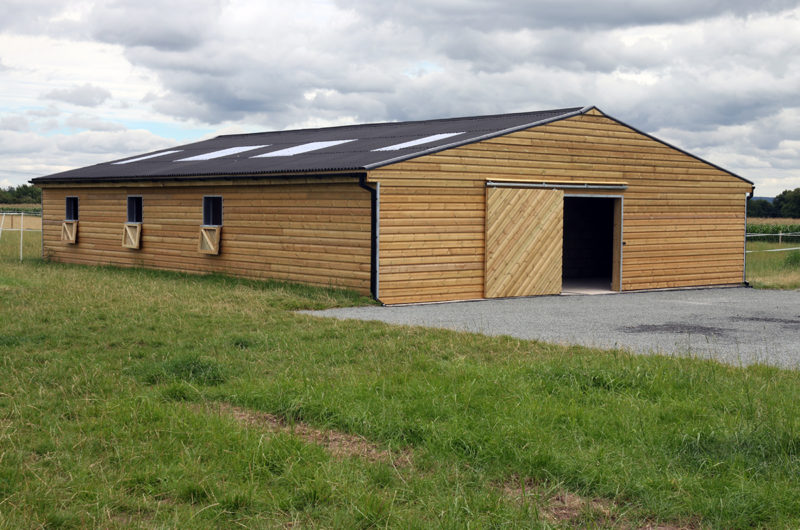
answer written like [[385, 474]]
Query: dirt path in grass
[[560, 507], [339, 444]]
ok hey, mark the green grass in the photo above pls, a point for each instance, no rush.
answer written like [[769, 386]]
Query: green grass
[[773, 270], [31, 245], [109, 377]]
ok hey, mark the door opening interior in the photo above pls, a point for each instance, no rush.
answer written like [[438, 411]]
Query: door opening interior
[[589, 244]]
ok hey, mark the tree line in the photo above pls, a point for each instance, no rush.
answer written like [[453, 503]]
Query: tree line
[[22, 194], [786, 204]]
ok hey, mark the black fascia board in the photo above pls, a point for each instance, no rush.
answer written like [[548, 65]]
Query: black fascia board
[[350, 172]]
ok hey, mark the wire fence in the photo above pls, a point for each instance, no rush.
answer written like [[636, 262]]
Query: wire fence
[[27, 228], [792, 239]]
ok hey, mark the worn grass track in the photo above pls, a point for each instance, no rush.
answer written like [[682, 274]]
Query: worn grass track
[[115, 383]]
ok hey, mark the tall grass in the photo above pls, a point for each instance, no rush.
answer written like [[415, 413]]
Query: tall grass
[[31, 245], [98, 366], [773, 270]]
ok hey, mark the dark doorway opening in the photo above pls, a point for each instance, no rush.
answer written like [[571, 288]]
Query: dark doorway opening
[[588, 251]]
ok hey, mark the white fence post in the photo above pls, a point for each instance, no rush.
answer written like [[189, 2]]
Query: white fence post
[[21, 231]]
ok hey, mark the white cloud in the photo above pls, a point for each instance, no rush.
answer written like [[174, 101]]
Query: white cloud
[[85, 95], [718, 78], [14, 123]]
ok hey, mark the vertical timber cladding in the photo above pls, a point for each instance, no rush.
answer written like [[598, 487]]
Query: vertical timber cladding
[[317, 233], [524, 236]]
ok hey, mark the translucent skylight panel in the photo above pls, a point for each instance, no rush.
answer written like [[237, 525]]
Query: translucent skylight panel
[[222, 152], [418, 141], [304, 148], [146, 157]]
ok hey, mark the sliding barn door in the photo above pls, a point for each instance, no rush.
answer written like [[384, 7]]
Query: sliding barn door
[[524, 237]]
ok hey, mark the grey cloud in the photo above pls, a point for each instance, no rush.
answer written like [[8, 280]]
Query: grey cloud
[[27, 15], [46, 112], [14, 123], [91, 124], [14, 142], [85, 95], [108, 144], [28, 155], [515, 14], [168, 26], [709, 70]]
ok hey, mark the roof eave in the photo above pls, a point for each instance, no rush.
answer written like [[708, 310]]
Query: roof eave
[[354, 172]]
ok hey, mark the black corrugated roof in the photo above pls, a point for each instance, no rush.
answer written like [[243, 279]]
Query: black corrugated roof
[[360, 149], [358, 154]]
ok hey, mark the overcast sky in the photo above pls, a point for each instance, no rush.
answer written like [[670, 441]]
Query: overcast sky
[[89, 81]]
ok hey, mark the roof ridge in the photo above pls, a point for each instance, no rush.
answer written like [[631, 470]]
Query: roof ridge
[[565, 110]]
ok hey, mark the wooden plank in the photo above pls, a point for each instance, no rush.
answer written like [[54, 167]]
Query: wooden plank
[[523, 242]]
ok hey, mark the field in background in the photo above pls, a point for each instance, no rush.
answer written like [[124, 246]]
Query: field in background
[[773, 270], [31, 245], [137, 398], [27, 208], [773, 221], [767, 267]]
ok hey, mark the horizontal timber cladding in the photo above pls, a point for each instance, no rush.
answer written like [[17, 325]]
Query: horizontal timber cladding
[[313, 233], [683, 219], [431, 243]]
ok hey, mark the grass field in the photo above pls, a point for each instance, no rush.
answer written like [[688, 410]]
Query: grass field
[[773, 270], [132, 398], [31, 245]]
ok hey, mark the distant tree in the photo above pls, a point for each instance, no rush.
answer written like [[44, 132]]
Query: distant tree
[[760, 208], [24, 193], [787, 203]]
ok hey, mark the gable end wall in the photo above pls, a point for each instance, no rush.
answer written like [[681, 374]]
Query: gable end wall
[[683, 218]]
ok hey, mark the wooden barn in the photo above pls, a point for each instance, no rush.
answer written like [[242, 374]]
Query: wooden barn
[[451, 209]]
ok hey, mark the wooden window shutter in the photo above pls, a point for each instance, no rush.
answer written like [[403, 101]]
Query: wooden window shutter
[[69, 232], [131, 235], [209, 239]]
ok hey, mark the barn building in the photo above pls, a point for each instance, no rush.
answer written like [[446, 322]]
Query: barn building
[[449, 209]]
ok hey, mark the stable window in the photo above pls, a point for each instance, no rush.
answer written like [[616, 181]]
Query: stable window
[[132, 229], [212, 211], [211, 230], [72, 209], [134, 209], [69, 228]]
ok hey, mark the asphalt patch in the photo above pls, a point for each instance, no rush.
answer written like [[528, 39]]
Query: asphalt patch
[[677, 327], [771, 320]]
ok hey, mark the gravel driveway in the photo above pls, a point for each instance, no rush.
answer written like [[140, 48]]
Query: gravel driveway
[[738, 326]]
